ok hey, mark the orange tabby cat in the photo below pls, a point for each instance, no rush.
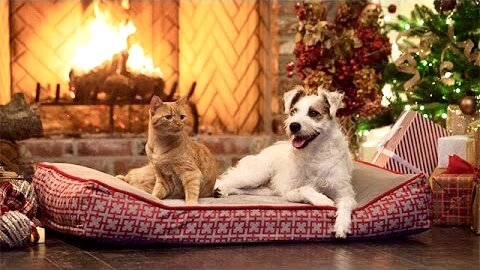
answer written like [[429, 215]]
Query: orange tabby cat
[[178, 167]]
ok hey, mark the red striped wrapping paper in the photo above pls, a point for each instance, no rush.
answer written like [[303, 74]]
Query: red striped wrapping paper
[[411, 145]]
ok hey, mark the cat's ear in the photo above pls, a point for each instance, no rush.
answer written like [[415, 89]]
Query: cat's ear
[[181, 101], [155, 102]]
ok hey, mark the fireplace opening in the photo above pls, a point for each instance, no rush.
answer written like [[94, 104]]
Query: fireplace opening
[[92, 66]]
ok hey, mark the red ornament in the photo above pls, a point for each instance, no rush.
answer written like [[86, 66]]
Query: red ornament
[[392, 8], [290, 66], [448, 5], [290, 74], [468, 105], [377, 44], [301, 12]]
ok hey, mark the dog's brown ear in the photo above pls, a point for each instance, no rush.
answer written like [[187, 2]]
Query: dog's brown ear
[[155, 102], [293, 96], [333, 100]]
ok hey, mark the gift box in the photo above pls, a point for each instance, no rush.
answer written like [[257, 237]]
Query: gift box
[[474, 134], [476, 209], [369, 141], [411, 145], [452, 198], [457, 122], [460, 145]]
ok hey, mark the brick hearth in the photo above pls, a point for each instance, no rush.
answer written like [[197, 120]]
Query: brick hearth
[[118, 154]]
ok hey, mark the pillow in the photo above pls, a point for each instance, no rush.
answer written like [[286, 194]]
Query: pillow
[[87, 203]]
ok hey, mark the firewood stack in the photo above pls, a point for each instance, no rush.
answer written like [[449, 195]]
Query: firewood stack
[[111, 81], [18, 121]]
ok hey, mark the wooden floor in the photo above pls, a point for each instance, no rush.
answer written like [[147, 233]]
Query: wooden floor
[[439, 248]]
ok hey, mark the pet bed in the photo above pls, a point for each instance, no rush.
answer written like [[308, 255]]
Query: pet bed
[[87, 203]]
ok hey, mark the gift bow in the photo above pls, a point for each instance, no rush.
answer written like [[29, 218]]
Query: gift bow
[[457, 165]]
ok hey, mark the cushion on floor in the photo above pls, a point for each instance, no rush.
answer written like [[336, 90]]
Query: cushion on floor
[[87, 203]]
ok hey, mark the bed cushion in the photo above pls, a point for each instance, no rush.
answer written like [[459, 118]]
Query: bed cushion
[[87, 203]]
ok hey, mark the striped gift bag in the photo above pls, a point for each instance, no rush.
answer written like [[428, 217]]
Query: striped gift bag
[[411, 145]]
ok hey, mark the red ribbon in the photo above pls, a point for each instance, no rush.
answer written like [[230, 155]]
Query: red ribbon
[[457, 165]]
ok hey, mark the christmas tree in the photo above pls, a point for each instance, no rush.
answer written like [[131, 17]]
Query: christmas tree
[[346, 54], [440, 60]]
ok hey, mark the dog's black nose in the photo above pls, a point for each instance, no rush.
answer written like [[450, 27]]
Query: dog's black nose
[[294, 127]]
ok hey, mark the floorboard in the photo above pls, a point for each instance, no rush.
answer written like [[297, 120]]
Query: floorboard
[[438, 248]]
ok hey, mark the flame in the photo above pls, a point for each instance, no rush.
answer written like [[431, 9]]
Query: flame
[[104, 39], [139, 63]]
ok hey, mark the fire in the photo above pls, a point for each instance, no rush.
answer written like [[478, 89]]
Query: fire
[[104, 39], [138, 62]]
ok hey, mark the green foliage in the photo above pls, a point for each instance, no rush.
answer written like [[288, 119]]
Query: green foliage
[[430, 95]]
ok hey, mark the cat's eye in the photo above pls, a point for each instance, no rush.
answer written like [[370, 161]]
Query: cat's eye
[[313, 113], [168, 117], [182, 117]]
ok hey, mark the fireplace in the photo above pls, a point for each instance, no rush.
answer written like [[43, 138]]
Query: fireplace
[[227, 56], [221, 52]]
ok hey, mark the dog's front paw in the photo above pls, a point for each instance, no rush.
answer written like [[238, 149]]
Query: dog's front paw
[[342, 227], [217, 193], [223, 191], [322, 201]]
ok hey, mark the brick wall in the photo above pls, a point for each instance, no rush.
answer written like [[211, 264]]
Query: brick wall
[[118, 155], [287, 25]]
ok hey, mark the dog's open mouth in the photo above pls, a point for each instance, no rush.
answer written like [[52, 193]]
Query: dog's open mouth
[[300, 142]]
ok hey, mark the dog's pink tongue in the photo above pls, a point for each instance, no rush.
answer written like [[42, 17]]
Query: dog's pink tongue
[[298, 142]]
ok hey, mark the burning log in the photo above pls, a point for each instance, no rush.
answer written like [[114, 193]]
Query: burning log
[[111, 81], [145, 86], [118, 87], [19, 121]]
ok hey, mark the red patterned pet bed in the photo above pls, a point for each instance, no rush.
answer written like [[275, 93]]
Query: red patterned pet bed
[[87, 203]]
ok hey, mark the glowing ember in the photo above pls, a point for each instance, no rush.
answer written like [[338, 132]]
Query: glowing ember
[[104, 40]]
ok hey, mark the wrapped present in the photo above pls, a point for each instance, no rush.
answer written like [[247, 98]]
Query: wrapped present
[[457, 122], [411, 145], [452, 198], [369, 141], [460, 145], [474, 133], [476, 209]]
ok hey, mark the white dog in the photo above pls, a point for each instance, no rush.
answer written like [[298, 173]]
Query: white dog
[[314, 167]]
